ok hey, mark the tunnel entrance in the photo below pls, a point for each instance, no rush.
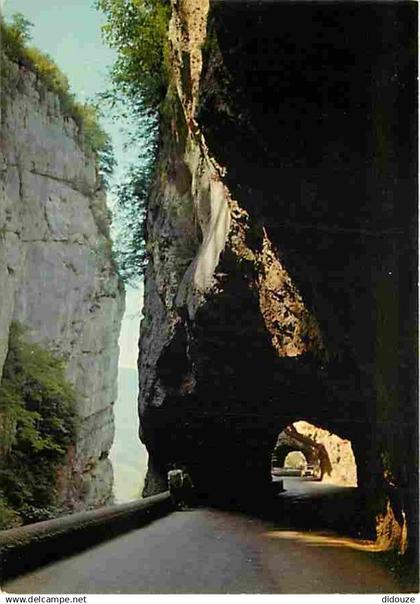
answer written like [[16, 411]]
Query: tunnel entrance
[[308, 451], [295, 460]]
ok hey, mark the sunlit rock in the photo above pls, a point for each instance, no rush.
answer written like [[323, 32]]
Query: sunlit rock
[[57, 276]]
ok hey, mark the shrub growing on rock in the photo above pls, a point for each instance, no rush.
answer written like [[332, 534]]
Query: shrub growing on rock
[[37, 426], [15, 37]]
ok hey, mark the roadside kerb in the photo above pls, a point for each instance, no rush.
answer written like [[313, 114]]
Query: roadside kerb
[[27, 547]]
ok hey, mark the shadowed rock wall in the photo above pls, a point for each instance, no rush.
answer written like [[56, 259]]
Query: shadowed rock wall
[[282, 277]]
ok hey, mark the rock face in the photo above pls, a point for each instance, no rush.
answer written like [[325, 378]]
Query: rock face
[[282, 272], [57, 276]]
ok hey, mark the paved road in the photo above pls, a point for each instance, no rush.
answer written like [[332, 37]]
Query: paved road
[[213, 551]]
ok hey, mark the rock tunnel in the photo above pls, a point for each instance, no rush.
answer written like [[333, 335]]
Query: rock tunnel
[[294, 455], [312, 453], [331, 457], [282, 237]]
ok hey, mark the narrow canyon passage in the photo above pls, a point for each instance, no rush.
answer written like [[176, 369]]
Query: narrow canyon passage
[[213, 551], [274, 232]]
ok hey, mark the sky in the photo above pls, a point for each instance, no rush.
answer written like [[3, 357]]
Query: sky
[[70, 32]]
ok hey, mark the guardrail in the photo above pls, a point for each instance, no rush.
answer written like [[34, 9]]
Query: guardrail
[[27, 547]]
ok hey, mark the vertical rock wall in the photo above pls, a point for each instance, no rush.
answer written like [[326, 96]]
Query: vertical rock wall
[[281, 237], [57, 276]]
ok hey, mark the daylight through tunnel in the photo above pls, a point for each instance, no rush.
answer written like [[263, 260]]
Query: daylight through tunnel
[[327, 456]]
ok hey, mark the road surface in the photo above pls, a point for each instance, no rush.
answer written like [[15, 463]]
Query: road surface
[[214, 551]]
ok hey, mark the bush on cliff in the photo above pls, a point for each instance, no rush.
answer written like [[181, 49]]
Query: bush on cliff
[[15, 36], [37, 426]]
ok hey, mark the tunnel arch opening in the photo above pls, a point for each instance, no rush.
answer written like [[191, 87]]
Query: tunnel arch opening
[[295, 459], [323, 454]]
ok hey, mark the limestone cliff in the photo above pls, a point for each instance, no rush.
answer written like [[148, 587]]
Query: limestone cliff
[[281, 269], [57, 277]]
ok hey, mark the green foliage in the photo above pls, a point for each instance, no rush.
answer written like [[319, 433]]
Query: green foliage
[[137, 29], [8, 517], [131, 201], [14, 38], [130, 251], [19, 30], [37, 426]]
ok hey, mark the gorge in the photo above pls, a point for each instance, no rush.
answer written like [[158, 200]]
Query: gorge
[[281, 238]]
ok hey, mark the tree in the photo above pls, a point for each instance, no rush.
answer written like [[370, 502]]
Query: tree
[[132, 197], [137, 29], [20, 27]]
